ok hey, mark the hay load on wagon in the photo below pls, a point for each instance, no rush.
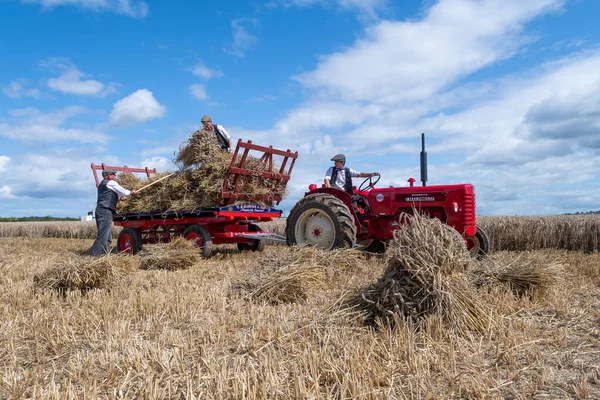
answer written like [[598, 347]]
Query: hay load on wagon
[[216, 200], [200, 180]]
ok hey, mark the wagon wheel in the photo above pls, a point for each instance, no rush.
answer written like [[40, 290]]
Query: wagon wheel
[[254, 244], [479, 245], [200, 237], [129, 241]]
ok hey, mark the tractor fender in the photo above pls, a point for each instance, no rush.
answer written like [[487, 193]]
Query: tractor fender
[[343, 196]]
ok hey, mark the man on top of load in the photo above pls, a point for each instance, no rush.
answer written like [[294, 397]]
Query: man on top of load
[[219, 131]]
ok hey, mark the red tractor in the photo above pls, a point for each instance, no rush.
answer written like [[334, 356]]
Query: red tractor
[[330, 218]]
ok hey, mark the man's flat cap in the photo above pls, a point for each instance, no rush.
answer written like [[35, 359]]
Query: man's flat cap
[[339, 157]]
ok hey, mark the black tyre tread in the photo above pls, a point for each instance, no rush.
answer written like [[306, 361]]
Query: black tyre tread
[[485, 245], [377, 247], [260, 246], [341, 211], [136, 236], [207, 244], [484, 239]]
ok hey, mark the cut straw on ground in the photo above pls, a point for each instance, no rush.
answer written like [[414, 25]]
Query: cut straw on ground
[[295, 273], [526, 273], [84, 273], [174, 255]]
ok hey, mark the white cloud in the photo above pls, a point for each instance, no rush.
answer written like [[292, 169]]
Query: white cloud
[[4, 160], [52, 171], [138, 107], [130, 8], [16, 89], [5, 193], [549, 111], [242, 40], [368, 8], [71, 80], [31, 125], [203, 72], [516, 137], [198, 90], [160, 163], [410, 61]]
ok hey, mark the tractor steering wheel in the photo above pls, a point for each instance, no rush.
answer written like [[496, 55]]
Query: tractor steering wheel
[[368, 184]]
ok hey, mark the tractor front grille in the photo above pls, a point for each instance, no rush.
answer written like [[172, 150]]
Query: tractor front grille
[[469, 208]]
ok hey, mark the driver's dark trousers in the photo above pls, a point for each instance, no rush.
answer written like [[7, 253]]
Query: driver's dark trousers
[[104, 222]]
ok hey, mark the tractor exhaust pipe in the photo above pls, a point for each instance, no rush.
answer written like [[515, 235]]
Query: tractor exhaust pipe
[[423, 161]]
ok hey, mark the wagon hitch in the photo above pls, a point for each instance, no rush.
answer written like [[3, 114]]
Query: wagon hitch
[[268, 236]]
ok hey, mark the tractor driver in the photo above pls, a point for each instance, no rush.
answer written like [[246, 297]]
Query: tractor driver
[[219, 131], [340, 176]]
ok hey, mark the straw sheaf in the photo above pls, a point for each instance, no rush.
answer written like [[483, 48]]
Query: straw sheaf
[[525, 273], [201, 185], [425, 265], [174, 255], [85, 273], [293, 274]]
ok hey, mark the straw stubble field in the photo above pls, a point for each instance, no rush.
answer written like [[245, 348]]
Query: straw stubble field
[[279, 325]]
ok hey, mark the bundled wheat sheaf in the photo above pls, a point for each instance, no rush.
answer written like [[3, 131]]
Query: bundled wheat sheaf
[[527, 273], [294, 273], [425, 265], [174, 255], [85, 273], [198, 183]]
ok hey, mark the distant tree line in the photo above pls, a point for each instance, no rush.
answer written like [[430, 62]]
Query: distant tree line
[[584, 212], [29, 219]]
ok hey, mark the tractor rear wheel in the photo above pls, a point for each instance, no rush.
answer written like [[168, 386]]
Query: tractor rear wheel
[[254, 244], [322, 221], [200, 237], [479, 245], [129, 241]]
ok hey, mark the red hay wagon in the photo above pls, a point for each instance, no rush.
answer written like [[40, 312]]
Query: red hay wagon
[[233, 220]]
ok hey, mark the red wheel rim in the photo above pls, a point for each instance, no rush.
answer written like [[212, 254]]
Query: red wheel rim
[[126, 243], [195, 238]]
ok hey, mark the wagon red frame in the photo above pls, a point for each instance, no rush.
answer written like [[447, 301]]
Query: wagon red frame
[[233, 221]]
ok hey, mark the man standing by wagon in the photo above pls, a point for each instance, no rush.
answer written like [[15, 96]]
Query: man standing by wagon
[[109, 192], [219, 131]]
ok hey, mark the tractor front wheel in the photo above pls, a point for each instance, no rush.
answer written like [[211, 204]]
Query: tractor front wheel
[[322, 221], [479, 245], [200, 237]]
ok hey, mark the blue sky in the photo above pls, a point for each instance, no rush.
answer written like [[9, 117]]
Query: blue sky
[[507, 92]]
